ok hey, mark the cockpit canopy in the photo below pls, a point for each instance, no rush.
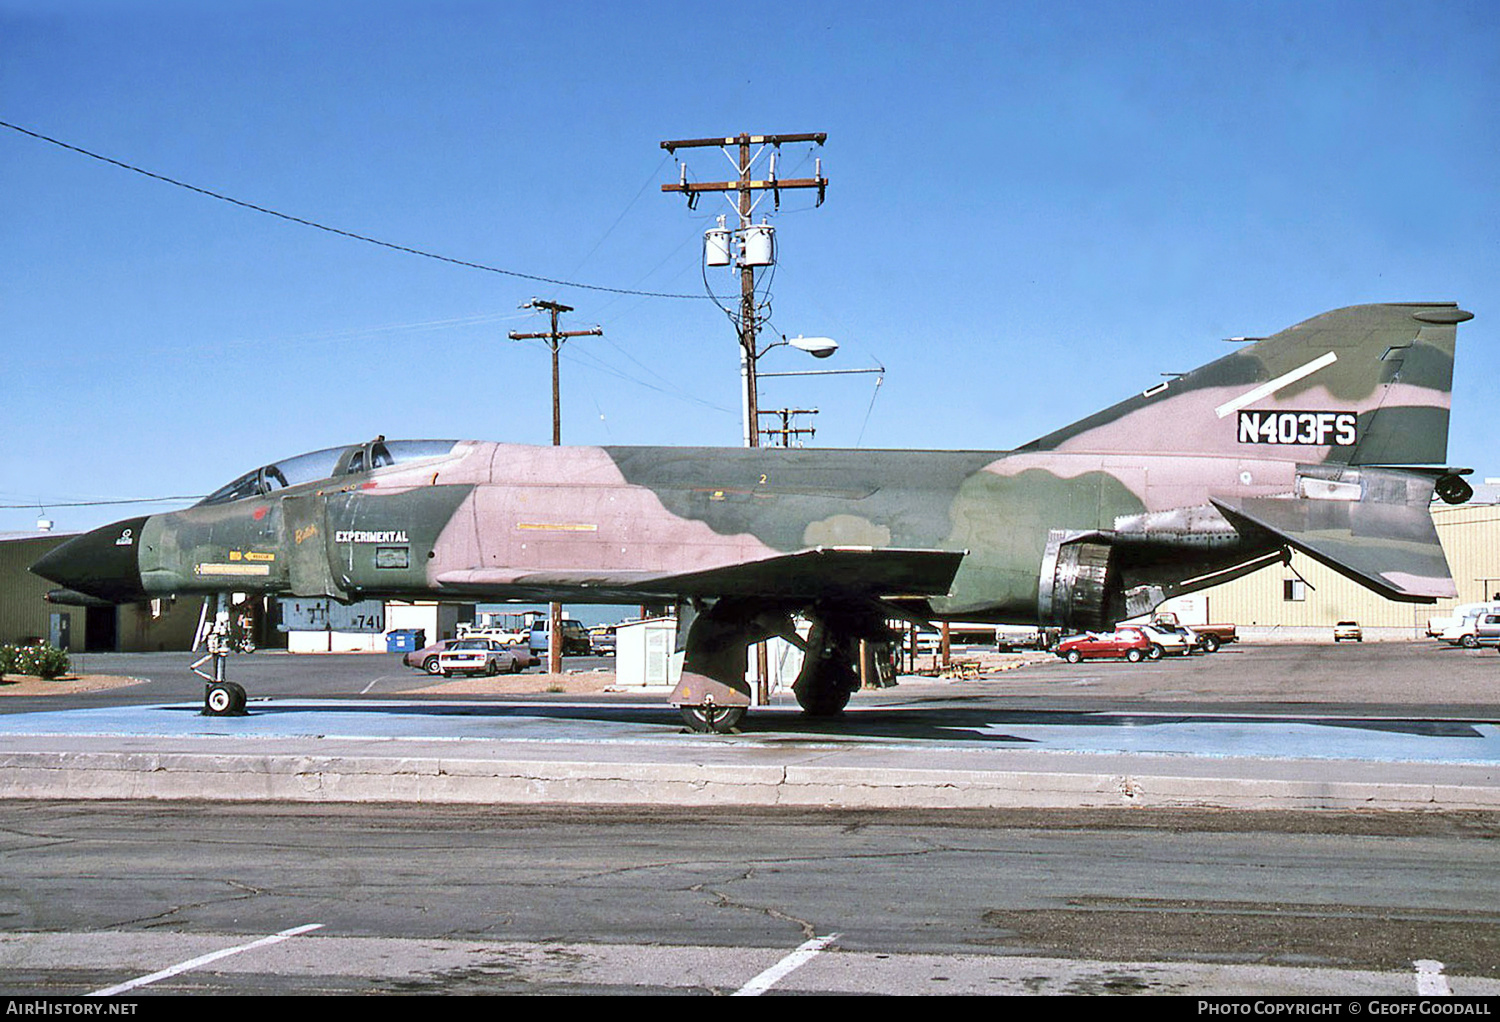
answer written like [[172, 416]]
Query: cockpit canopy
[[328, 464]]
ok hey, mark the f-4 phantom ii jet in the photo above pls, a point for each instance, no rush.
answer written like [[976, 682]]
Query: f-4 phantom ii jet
[[1329, 437]]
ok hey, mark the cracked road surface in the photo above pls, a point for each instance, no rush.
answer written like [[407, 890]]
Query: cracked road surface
[[571, 900]]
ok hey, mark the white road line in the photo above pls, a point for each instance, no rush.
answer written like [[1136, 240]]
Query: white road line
[[205, 959], [804, 953], [1430, 979], [1283, 380]]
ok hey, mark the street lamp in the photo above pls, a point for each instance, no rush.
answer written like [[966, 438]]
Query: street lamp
[[817, 347]]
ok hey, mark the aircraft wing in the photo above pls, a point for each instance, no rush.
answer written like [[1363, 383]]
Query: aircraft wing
[[1391, 548], [813, 573]]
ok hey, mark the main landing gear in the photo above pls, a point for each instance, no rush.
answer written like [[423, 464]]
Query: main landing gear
[[828, 676], [708, 718], [713, 695], [222, 698]]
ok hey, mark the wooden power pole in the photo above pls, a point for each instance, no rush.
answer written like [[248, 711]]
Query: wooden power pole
[[554, 339], [747, 185], [786, 431]]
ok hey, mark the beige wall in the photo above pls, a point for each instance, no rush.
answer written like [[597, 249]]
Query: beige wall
[[23, 611], [158, 625]]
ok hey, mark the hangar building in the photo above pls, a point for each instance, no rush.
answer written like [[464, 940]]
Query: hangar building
[[25, 613]]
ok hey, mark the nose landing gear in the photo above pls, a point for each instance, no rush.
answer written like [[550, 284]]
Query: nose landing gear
[[221, 698]]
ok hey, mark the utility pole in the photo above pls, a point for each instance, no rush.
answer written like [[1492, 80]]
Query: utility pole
[[746, 186], [786, 431], [554, 339]]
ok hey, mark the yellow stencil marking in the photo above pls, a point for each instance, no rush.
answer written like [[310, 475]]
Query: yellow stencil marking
[[232, 569]]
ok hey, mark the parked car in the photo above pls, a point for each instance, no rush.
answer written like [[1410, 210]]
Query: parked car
[[1177, 642], [1349, 630], [1464, 631], [478, 656], [426, 658], [504, 636], [1013, 637], [1192, 640], [1462, 614], [1129, 643], [1487, 631], [602, 639]]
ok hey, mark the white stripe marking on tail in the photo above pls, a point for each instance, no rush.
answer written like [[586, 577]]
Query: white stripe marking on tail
[[1267, 389]]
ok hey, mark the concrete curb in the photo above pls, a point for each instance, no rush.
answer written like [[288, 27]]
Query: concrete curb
[[739, 778]]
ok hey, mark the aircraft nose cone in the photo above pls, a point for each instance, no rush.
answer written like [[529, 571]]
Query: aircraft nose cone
[[102, 563]]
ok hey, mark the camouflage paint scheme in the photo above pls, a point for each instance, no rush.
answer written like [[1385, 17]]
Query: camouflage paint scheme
[[1328, 437]]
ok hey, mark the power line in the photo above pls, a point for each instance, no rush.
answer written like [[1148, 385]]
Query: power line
[[590, 360], [94, 503], [642, 191], [334, 230], [876, 393]]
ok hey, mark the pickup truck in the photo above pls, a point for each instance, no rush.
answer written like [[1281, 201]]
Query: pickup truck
[[1210, 637]]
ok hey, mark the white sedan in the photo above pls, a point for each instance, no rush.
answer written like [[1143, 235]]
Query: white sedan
[[478, 656], [1170, 642]]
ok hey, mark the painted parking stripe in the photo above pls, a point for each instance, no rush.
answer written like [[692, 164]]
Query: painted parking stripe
[[1430, 979], [804, 953], [203, 960]]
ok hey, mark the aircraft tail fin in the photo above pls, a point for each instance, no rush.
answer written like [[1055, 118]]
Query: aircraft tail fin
[[1364, 385]]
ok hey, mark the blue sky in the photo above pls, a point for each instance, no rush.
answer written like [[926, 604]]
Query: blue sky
[[1035, 209]]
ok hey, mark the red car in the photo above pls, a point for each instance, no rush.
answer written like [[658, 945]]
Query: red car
[[1130, 643]]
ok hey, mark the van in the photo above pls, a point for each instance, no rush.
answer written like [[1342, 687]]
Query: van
[[575, 638], [1487, 629]]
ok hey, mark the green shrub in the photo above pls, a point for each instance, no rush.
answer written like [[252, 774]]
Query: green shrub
[[42, 660]]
